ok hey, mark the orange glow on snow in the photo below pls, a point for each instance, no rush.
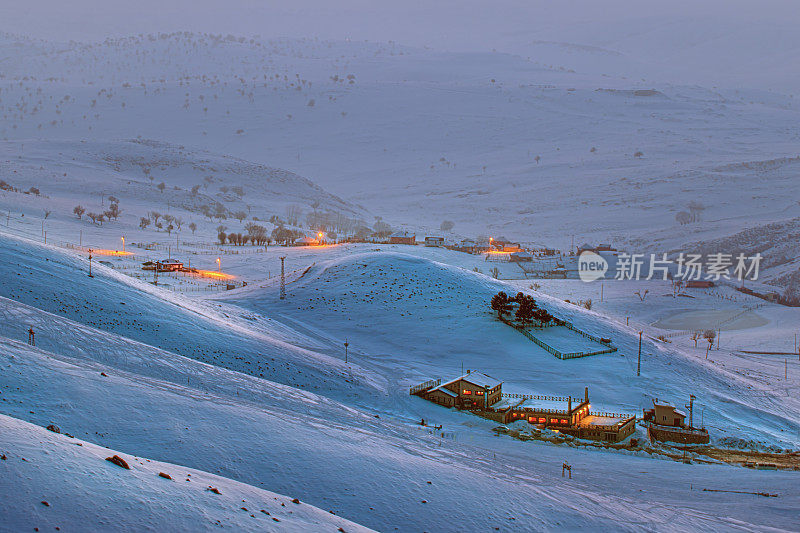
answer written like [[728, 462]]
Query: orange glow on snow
[[110, 252], [213, 274]]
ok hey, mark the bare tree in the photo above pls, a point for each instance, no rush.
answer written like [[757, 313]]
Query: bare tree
[[710, 335], [683, 218], [193, 227], [695, 336], [79, 210], [695, 209]]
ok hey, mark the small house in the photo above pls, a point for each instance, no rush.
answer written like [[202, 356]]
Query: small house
[[665, 415], [306, 241], [520, 257], [434, 241], [402, 237], [170, 265], [699, 284]]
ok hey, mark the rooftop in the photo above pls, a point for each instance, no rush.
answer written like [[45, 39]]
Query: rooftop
[[596, 420], [441, 388], [478, 378]]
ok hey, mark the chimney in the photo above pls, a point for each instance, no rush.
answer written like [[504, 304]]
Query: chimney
[[569, 405], [586, 394]]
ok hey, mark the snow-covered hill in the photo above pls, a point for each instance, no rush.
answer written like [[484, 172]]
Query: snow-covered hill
[[55, 482], [363, 457], [418, 319]]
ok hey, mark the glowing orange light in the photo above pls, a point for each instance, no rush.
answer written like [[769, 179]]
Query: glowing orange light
[[111, 252], [214, 275]]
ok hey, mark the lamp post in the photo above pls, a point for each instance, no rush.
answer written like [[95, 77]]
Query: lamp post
[[123, 244], [639, 360], [219, 265], [90, 263], [319, 237], [346, 344]]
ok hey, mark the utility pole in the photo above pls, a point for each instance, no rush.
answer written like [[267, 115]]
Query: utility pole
[[80, 238], [90, 263], [639, 360], [155, 273], [346, 344], [601, 291], [45, 237], [785, 369], [283, 280], [691, 409]]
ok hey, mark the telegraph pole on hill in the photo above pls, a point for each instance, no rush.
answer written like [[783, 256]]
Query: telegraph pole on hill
[[283, 280]]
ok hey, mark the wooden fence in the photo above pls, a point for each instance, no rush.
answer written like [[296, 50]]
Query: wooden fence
[[561, 355], [541, 397], [425, 386]]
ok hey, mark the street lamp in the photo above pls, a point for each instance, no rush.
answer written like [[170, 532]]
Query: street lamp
[[219, 265], [346, 344], [90, 263], [319, 237], [123, 244]]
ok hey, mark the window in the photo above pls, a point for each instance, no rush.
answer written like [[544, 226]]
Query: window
[[467, 392], [554, 420], [479, 392], [542, 420], [563, 421]]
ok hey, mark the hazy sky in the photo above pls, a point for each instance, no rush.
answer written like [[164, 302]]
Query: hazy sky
[[728, 41]]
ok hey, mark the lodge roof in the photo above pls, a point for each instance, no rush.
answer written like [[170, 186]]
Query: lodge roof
[[478, 378], [448, 392]]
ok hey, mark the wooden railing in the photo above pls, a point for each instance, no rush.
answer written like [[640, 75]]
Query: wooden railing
[[430, 384]]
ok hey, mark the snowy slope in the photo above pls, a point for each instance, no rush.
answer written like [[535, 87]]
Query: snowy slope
[[54, 481], [36, 275], [368, 464], [417, 320]]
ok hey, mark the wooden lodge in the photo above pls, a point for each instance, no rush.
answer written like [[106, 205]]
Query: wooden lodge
[[571, 416], [482, 394], [550, 411], [473, 390]]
